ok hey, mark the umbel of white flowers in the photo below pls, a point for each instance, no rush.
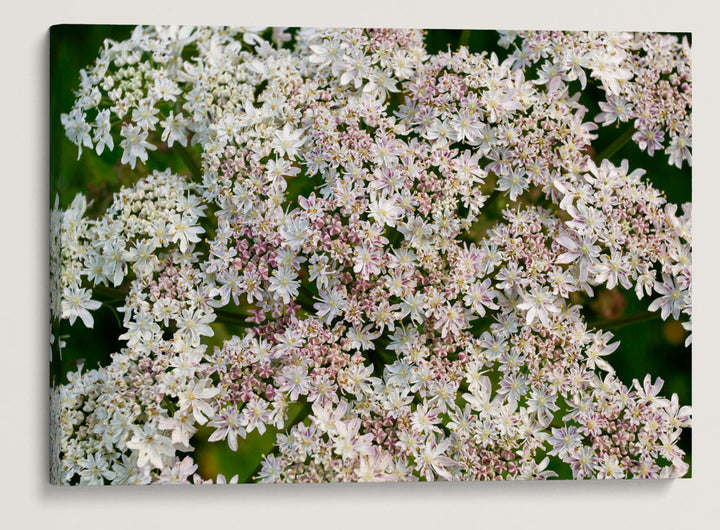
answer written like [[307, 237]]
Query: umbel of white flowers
[[381, 319]]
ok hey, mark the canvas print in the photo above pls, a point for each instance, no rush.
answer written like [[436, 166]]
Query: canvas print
[[345, 255]]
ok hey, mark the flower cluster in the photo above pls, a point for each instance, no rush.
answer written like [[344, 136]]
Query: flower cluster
[[385, 318], [645, 77]]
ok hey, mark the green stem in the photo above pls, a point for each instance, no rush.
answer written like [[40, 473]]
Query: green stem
[[305, 298], [304, 413], [110, 293], [615, 146], [464, 38], [189, 160], [228, 317], [494, 204], [155, 160], [239, 312], [491, 198], [112, 310], [394, 236], [376, 358], [625, 320]]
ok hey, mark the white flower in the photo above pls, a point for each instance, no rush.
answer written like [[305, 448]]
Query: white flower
[[467, 126], [151, 446], [174, 129], [227, 425], [514, 181], [288, 141], [102, 135], [77, 129], [384, 211], [607, 68], [75, 303], [194, 324], [673, 299], [194, 398], [144, 115], [93, 469], [539, 304], [283, 284], [679, 150], [331, 303], [134, 144], [616, 108], [184, 230], [294, 232]]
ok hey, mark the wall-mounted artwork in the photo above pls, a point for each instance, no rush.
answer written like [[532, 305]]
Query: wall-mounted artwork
[[344, 255]]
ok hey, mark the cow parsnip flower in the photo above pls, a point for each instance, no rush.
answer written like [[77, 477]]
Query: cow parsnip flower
[[341, 227]]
